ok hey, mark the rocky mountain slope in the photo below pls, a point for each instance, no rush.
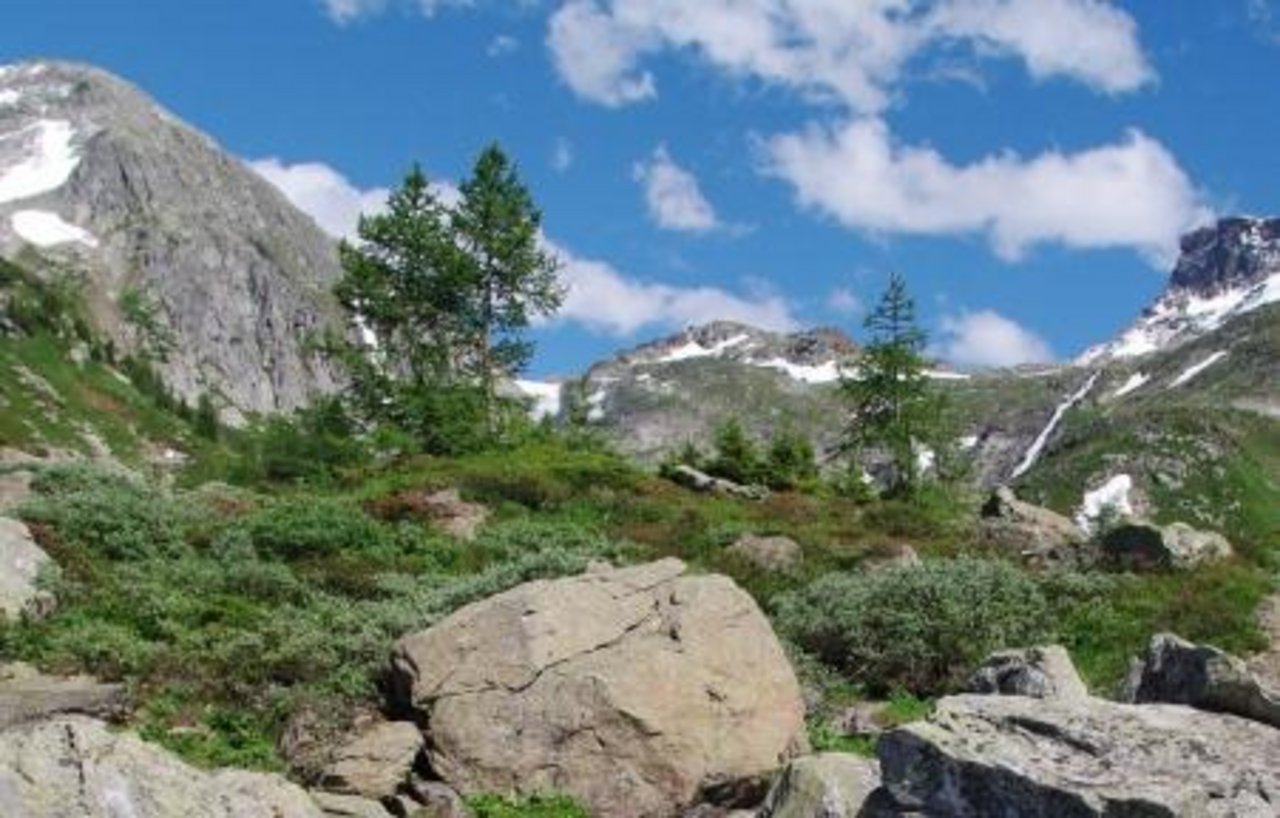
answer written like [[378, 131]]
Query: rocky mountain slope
[[181, 245]]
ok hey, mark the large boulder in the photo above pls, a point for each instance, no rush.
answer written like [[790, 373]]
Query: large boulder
[[700, 481], [1038, 535], [1175, 671], [1140, 545], [15, 488], [375, 762], [631, 689], [827, 785], [1039, 672], [28, 695], [21, 562], [767, 553], [75, 767], [980, 756]]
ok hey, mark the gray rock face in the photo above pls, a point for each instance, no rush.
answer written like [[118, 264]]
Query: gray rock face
[[239, 277], [21, 562], [827, 785], [634, 690], [1039, 535], [1141, 545], [1175, 671], [692, 478], [74, 767], [1018, 757], [1040, 672], [28, 695]]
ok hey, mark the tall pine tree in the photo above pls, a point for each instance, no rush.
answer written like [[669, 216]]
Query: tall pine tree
[[893, 405]]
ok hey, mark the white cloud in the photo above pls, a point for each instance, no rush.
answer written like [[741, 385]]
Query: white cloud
[[599, 297], [851, 52], [988, 339], [346, 11], [1129, 194], [502, 45], [673, 196], [562, 155], [844, 301], [322, 193]]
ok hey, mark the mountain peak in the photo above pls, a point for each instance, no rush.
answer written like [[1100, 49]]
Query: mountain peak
[[1225, 270]]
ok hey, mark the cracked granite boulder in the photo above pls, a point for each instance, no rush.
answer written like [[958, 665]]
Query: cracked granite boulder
[[630, 689]]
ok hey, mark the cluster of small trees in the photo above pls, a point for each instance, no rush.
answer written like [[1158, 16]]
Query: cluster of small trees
[[439, 292], [785, 462]]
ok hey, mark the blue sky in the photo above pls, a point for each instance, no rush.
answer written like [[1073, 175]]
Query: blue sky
[[1027, 164]]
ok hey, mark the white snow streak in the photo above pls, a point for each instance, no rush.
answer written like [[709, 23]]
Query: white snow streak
[[695, 350], [1136, 380], [821, 373], [546, 397], [1037, 446], [1192, 371]]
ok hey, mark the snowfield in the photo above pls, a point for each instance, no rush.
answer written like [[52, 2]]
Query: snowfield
[[45, 229], [36, 159]]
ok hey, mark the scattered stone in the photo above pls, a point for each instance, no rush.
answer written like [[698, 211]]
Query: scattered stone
[[75, 767], [21, 562], [827, 785], [632, 690], [1062, 758], [777, 554], [376, 762], [446, 509], [1175, 671], [1040, 672], [437, 799], [334, 805], [1042, 537], [1145, 546], [700, 481], [892, 557], [28, 695]]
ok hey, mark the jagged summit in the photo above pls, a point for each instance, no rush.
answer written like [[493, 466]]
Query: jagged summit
[[96, 176], [1225, 270]]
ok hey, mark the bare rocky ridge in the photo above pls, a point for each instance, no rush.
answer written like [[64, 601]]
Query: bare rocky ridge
[[95, 173]]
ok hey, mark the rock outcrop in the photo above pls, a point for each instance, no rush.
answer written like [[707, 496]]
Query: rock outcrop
[[1175, 671], [21, 562], [75, 767], [1072, 758], [1144, 546], [1039, 672], [632, 690], [827, 785], [183, 245], [28, 695], [1038, 535]]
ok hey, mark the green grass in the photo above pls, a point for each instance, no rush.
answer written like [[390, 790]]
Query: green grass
[[533, 806]]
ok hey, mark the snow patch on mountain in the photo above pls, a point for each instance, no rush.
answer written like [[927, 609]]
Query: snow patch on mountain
[[828, 372], [45, 229], [1194, 370], [1135, 382], [36, 159], [694, 349], [9, 96], [1112, 497]]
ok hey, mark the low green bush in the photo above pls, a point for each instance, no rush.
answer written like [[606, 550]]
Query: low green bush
[[304, 526], [106, 514], [548, 805], [916, 629]]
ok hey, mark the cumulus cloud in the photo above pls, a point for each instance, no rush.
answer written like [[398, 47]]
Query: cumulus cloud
[[850, 52], [322, 193], [673, 196], [1129, 194], [988, 339], [600, 297]]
